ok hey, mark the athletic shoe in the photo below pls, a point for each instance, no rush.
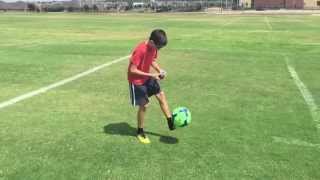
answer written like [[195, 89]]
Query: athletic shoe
[[143, 138]]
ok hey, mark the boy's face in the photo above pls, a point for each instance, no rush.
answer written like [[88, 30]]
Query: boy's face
[[158, 47], [154, 45]]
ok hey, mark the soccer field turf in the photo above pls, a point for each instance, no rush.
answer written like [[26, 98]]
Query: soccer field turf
[[250, 119]]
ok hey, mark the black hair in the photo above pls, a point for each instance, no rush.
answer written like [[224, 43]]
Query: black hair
[[159, 37]]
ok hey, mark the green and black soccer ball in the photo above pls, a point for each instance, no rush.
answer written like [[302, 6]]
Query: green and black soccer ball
[[181, 117]]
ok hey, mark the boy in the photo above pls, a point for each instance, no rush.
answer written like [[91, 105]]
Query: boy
[[144, 84]]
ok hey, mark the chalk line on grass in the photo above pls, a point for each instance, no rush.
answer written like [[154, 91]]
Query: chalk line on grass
[[294, 142], [306, 94], [57, 84], [266, 19]]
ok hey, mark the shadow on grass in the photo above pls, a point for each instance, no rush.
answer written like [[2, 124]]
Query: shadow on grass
[[124, 129]]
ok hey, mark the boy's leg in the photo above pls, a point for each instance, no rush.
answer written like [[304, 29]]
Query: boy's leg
[[139, 97], [140, 117], [165, 108], [163, 104], [153, 88]]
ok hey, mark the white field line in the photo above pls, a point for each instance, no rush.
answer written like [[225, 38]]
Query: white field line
[[305, 93], [268, 23], [57, 84], [309, 44], [227, 23], [294, 142]]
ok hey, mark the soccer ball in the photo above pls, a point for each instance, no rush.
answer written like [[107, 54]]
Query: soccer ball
[[181, 116]]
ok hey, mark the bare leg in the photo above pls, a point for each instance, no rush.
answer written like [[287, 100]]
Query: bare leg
[[140, 116], [140, 133], [165, 109], [164, 104]]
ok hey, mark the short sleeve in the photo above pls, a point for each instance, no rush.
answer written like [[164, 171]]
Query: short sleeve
[[136, 57], [155, 55]]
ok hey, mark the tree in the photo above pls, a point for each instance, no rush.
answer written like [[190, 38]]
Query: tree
[[86, 8], [70, 9], [31, 7], [95, 8]]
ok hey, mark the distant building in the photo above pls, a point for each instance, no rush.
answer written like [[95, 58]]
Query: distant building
[[105, 5], [39, 5], [245, 3], [138, 4], [278, 4], [13, 6], [311, 4]]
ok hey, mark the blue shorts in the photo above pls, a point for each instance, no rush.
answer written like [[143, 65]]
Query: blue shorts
[[139, 94]]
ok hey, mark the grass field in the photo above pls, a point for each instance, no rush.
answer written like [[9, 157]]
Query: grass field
[[250, 120]]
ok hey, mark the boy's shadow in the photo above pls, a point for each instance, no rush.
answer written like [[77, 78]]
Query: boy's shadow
[[124, 129]]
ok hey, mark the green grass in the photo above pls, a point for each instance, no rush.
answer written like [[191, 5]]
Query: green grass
[[230, 71]]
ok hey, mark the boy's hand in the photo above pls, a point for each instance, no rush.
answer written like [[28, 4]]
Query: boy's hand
[[163, 74], [156, 76]]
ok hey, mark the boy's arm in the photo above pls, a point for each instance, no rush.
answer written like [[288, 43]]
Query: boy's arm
[[156, 66], [134, 70]]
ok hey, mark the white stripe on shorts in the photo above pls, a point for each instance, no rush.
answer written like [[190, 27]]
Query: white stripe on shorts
[[133, 95]]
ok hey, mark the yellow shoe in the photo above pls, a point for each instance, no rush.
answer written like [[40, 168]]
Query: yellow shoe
[[143, 138]]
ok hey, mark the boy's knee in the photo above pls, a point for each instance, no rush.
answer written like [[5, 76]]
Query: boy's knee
[[144, 107], [160, 95]]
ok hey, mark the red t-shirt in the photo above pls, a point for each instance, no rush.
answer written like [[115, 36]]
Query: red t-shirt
[[142, 56]]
